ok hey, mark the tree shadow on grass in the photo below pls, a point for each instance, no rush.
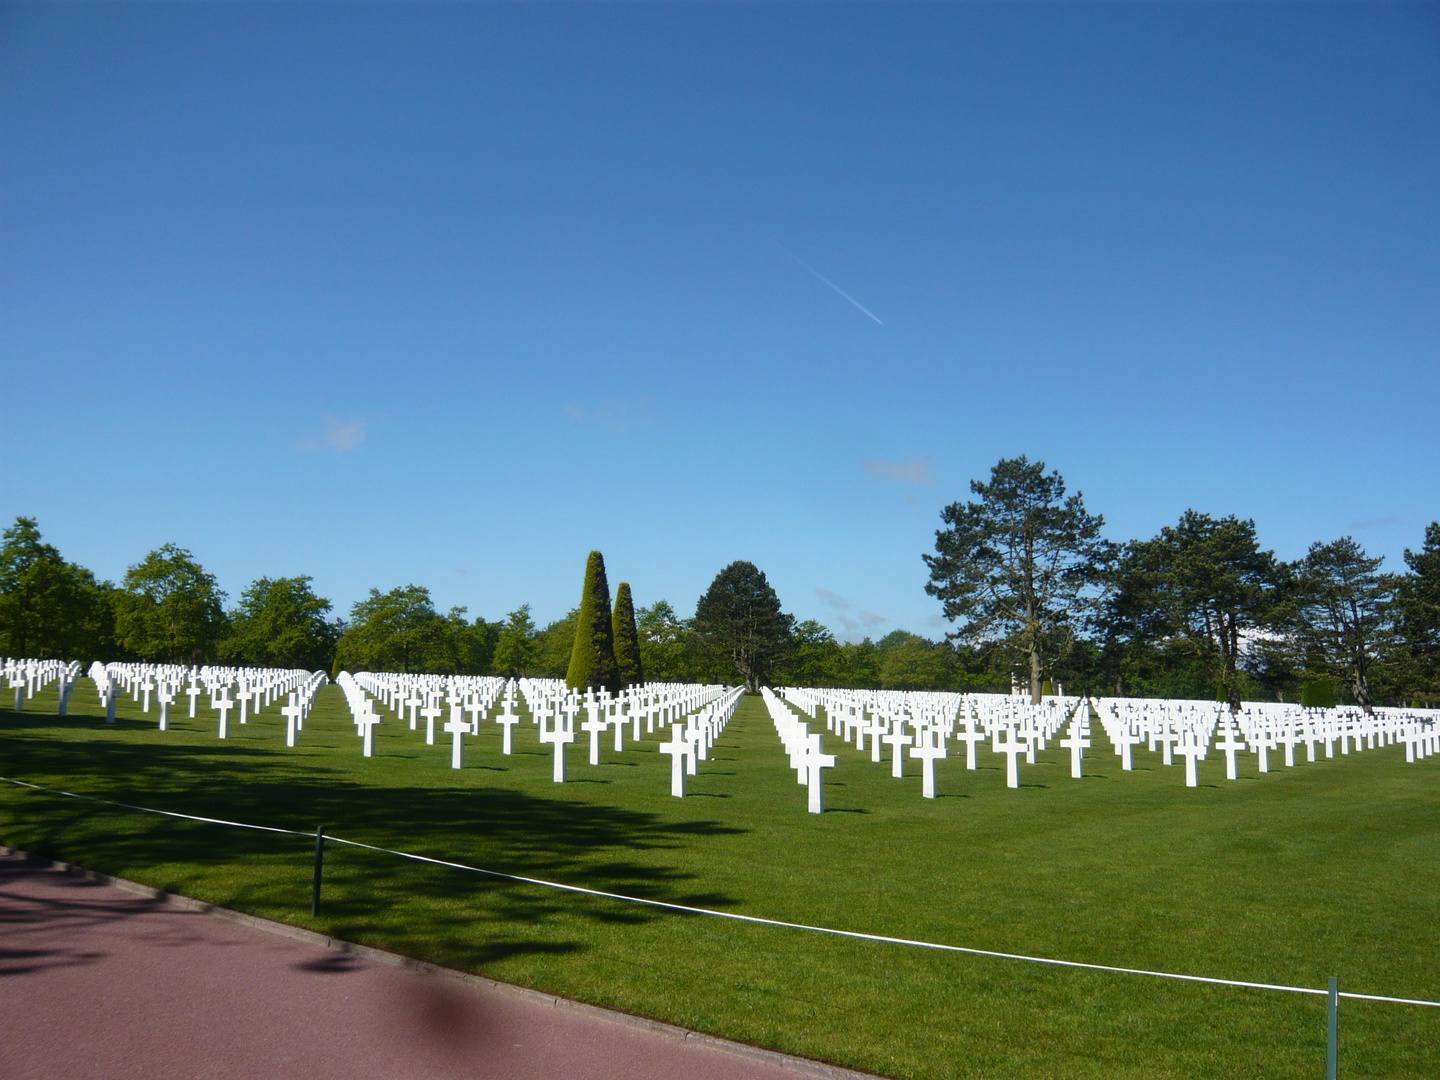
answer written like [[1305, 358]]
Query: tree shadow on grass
[[423, 909]]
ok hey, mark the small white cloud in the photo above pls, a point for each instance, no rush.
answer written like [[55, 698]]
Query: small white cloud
[[869, 618], [834, 600], [1374, 523], [342, 438], [345, 437], [914, 471], [936, 621]]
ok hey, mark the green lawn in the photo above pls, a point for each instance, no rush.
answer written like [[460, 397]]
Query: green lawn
[[1330, 868]]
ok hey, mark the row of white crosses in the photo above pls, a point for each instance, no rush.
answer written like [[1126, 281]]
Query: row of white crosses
[[465, 700], [805, 748], [28, 677], [690, 742], [919, 725], [254, 689], [553, 708], [1187, 728]]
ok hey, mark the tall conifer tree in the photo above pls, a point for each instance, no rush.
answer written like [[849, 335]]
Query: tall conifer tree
[[592, 661], [627, 638]]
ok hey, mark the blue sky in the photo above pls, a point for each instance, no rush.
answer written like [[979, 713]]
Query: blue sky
[[453, 294]]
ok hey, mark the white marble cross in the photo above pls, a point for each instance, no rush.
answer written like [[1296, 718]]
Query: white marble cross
[[164, 695], [1077, 745], [476, 709], [1230, 745], [970, 737], [1012, 748], [560, 736], [1124, 739], [927, 752], [367, 723], [223, 707], [679, 749], [593, 725], [897, 738], [813, 759], [292, 713], [508, 721], [431, 712], [458, 727], [1190, 750], [874, 729]]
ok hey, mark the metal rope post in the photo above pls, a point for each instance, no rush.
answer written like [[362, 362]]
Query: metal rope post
[[319, 864], [1332, 1042]]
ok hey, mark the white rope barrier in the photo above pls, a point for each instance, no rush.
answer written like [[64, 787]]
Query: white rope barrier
[[756, 919]]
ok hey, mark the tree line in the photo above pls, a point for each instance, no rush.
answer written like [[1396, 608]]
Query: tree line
[[169, 609], [1036, 593], [1201, 610]]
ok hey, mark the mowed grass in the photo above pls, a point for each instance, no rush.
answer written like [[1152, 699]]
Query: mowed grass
[[1330, 868]]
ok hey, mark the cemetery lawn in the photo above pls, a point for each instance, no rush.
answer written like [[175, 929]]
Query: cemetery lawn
[[1330, 868]]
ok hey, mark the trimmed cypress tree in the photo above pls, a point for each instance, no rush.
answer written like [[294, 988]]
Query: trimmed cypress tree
[[592, 660], [627, 638]]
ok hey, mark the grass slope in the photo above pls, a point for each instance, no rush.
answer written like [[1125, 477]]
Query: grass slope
[[1324, 868]]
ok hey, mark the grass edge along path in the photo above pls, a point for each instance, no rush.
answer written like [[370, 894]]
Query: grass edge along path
[[789, 1027]]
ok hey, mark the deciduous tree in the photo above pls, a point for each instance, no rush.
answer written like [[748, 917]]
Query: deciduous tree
[[515, 646], [280, 622], [50, 608], [399, 629], [170, 610]]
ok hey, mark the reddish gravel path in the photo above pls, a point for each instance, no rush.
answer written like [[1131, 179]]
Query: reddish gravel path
[[99, 983]]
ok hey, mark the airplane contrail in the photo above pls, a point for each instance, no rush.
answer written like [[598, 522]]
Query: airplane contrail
[[826, 280]]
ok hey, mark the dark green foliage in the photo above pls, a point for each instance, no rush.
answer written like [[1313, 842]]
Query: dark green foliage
[[1318, 694], [666, 644], [627, 638], [555, 646], [1342, 614], [393, 631], [1419, 600], [281, 623], [592, 657], [51, 608], [910, 662], [170, 610], [1199, 588], [1021, 568], [401, 631], [515, 646], [741, 630]]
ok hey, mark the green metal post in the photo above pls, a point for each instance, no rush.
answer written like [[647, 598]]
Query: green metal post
[[1332, 1042], [319, 864]]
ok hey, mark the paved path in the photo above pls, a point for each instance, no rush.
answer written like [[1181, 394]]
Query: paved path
[[97, 982]]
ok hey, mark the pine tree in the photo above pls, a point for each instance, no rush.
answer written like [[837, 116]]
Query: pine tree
[[592, 660], [627, 638]]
